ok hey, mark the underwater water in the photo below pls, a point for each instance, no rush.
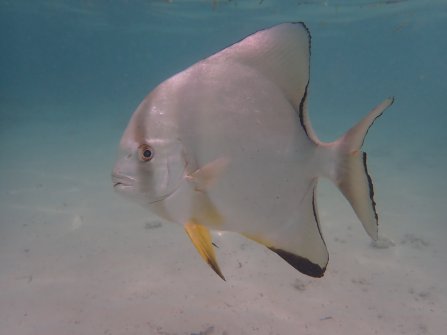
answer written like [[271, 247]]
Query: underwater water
[[75, 258]]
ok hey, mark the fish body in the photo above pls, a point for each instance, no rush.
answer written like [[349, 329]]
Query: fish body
[[227, 145]]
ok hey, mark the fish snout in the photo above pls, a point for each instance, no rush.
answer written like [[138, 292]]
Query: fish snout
[[120, 180]]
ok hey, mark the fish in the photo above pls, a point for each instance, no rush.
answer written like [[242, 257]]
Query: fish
[[227, 145]]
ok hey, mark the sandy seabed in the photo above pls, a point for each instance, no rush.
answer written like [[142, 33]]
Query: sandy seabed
[[75, 258]]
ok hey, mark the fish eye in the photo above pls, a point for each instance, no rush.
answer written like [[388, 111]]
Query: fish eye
[[145, 152]]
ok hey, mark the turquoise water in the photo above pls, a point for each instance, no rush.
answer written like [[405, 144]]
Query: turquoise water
[[77, 259]]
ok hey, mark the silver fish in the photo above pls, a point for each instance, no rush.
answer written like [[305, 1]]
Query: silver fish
[[227, 145]]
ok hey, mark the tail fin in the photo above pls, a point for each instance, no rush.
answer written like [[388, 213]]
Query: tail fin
[[351, 175]]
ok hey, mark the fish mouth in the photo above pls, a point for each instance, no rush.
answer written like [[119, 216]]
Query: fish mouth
[[125, 184], [120, 182]]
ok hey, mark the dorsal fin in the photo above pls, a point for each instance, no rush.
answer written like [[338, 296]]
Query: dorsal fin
[[282, 54]]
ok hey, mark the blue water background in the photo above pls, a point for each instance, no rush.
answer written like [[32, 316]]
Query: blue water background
[[90, 63]]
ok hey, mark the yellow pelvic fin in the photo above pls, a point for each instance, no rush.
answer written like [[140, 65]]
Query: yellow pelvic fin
[[205, 211], [208, 174], [201, 238]]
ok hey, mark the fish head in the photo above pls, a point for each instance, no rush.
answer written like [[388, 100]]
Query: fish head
[[151, 164]]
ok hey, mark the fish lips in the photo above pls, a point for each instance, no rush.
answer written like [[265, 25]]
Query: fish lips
[[125, 186], [122, 182]]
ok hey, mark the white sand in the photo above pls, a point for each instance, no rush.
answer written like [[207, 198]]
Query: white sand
[[75, 258]]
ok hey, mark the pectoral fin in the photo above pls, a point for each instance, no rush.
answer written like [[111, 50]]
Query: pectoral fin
[[204, 177], [201, 238]]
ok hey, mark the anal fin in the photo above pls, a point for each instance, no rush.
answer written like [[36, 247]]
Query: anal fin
[[300, 263], [299, 243]]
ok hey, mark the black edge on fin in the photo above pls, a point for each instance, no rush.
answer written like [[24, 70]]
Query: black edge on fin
[[314, 208], [371, 187], [302, 264], [366, 133], [301, 111], [302, 116]]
